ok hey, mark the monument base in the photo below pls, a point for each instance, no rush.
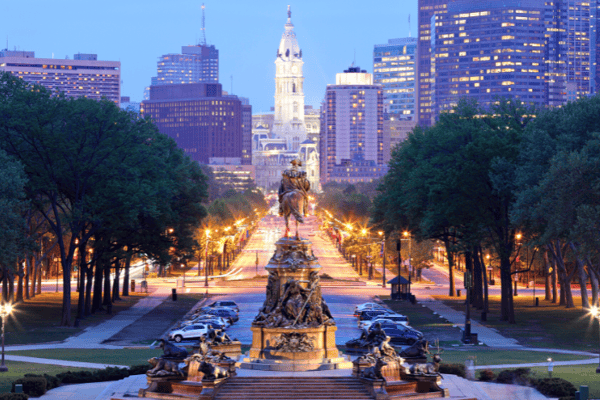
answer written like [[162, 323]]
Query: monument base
[[294, 349]]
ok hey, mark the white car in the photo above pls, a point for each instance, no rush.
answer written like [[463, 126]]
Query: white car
[[367, 306], [189, 332]]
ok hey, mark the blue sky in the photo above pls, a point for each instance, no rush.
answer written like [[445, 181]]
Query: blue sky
[[246, 34]]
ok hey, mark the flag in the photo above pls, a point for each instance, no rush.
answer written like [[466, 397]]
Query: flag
[[382, 250]]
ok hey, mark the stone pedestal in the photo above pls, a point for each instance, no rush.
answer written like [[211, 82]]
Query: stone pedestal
[[231, 350], [322, 338]]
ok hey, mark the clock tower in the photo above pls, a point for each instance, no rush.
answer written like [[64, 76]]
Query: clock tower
[[289, 93]]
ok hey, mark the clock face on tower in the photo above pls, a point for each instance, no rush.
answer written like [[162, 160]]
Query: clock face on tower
[[294, 69]]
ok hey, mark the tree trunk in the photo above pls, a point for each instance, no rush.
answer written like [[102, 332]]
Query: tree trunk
[[126, 277], [547, 287], [594, 282], [507, 309], [4, 284], [566, 297], [115, 291], [479, 272], [88, 287], [99, 271], [11, 286], [452, 286], [581, 274], [82, 274], [28, 268], [20, 274], [554, 282], [106, 298]]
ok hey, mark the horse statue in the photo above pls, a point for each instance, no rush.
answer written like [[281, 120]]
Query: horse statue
[[293, 195]]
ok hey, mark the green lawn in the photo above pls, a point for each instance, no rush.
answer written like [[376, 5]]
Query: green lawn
[[127, 357], [37, 320], [576, 374], [18, 369], [548, 325], [488, 356]]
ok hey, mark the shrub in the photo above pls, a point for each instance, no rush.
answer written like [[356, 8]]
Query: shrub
[[139, 369], [76, 377], [487, 375], [555, 387], [453, 369], [13, 396], [51, 380], [566, 398], [32, 385], [520, 376]]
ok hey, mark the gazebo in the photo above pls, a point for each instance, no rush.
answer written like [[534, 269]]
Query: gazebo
[[400, 288]]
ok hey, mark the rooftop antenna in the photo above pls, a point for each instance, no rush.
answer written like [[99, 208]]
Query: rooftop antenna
[[203, 29], [409, 25], [354, 60], [231, 84]]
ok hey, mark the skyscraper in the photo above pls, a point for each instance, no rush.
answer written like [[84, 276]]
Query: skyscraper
[[205, 124], [427, 9], [541, 52], [352, 129], [195, 64], [83, 76], [488, 50], [394, 68]]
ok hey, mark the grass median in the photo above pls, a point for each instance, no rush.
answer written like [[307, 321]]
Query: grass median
[[126, 357], [37, 320], [547, 326]]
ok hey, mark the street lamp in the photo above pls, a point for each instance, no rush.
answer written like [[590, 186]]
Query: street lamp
[[206, 259], [518, 236], [5, 311], [56, 263], [594, 312], [381, 233]]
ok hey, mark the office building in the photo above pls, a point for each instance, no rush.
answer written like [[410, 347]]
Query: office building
[[427, 10], [352, 129], [203, 122], [541, 52], [486, 51], [83, 76], [195, 64], [283, 136], [394, 68]]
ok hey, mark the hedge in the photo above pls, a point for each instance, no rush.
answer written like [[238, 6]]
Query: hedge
[[13, 396], [453, 369], [32, 386], [555, 387]]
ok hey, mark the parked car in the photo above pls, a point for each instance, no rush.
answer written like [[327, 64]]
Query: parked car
[[226, 313], [223, 303], [216, 322], [400, 334], [367, 306], [193, 331], [368, 315], [384, 318]]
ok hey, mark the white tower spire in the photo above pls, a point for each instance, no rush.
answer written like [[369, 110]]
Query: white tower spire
[[289, 93]]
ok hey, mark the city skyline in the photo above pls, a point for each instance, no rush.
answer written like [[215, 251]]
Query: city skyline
[[246, 35]]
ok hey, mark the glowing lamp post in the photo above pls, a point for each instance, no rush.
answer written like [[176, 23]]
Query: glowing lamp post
[[206, 259], [594, 312], [5, 311], [382, 234]]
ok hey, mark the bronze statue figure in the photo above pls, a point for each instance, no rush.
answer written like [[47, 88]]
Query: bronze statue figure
[[293, 195]]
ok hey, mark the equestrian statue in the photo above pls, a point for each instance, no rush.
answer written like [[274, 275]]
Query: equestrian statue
[[293, 195]]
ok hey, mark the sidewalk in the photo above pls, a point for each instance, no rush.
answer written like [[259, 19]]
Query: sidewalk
[[485, 335], [92, 337]]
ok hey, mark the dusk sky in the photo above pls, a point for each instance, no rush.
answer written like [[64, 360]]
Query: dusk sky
[[246, 34]]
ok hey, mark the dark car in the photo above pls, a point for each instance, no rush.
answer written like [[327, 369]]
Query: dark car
[[400, 334], [370, 314], [223, 303], [226, 313]]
